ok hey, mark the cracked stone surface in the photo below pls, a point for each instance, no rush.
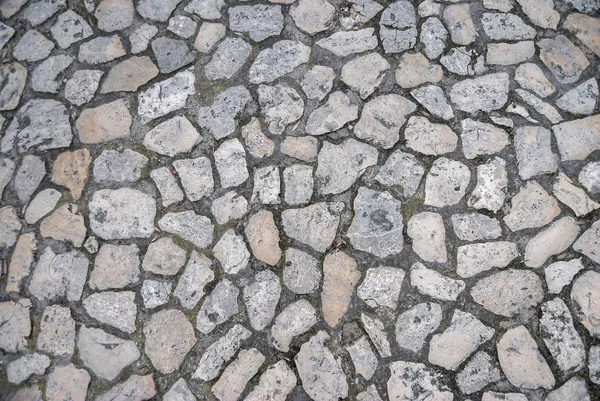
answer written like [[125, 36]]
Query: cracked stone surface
[[299, 200]]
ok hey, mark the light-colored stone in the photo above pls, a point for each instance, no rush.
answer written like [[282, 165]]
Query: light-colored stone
[[531, 207], [261, 298], [446, 182], [377, 333], [117, 309], [338, 111], [164, 257], [230, 206], [257, 143], [486, 93], [140, 387], [480, 371], [115, 166], [415, 69], [258, 21], [220, 119], [296, 319], [403, 170], [104, 123], [340, 276], [559, 274], [114, 15], [364, 359], [15, 325], [531, 77], [576, 139], [317, 82], [541, 12], [506, 26], [416, 324], [312, 16], [263, 237], [191, 284], [280, 105], [473, 259], [433, 35], [231, 54], [509, 53], [218, 307], [298, 184], [429, 138], [116, 266], [26, 366], [67, 383], [196, 177], [479, 138], [315, 225], [433, 98], [398, 27], [301, 273], [219, 352], [10, 225], [59, 276], [179, 391], [551, 241], [563, 58], [410, 381], [433, 284], [129, 75], [230, 161], [475, 227], [345, 43], [21, 262], [166, 96], [460, 24], [232, 382], [280, 59], [492, 182], [231, 252], [381, 287], [588, 243], [586, 299], [167, 185], [209, 34], [428, 236], [364, 74]]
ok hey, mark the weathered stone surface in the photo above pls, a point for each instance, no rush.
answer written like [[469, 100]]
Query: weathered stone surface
[[410, 381], [219, 352], [281, 106], [486, 93], [114, 15], [171, 54], [431, 283], [541, 13], [191, 284], [141, 37], [376, 331], [551, 241], [521, 361], [10, 225], [7, 169], [231, 252], [230, 206], [377, 224], [317, 82], [333, 115], [26, 366], [104, 123], [163, 257], [363, 357], [267, 185], [428, 236], [340, 276], [433, 98], [364, 74], [401, 169], [140, 387], [220, 119], [492, 181], [473, 259], [563, 58], [94, 353], [230, 56], [129, 75], [428, 138], [433, 37], [531, 77], [70, 28], [258, 21], [261, 298], [179, 392], [115, 166], [116, 309], [509, 293], [196, 177], [182, 26], [157, 10], [446, 182], [503, 26], [15, 325], [312, 16], [301, 273], [576, 139], [586, 299], [33, 46], [70, 170], [232, 382], [82, 86], [575, 388], [534, 153], [220, 305], [345, 43], [59, 276], [545, 109], [205, 9], [460, 24], [559, 274], [67, 383], [464, 61], [321, 374], [531, 207], [398, 27], [296, 319], [315, 225], [509, 53], [274, 384], [116, 266], [263, 237], [122, 213], [21, 262], [381, 287], [415, 69], [101, 49], [166, 96], [298, 183], [480, 371], [65, 224], [155, 293], [416, 324], [13, 77], [209, 34], [479, 138], [280, 59]]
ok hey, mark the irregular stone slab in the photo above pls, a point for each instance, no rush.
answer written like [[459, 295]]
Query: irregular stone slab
[[221, 118], [433, 37], [492, 181], [361, 12], [26, 366], [11, 7], [493, 396], [559, 274], [129, 75], [70, 170], [459, 60], [551, 241], [432, 97], [581, 99], [104, 123], [364, 359], [563, 58], [454, 345], [67, 383], [302, 148], [574, 389], [267, 186], [258, 21], [230, 56], [473, 259], [30, 174], [534, 153], [376, 331], [15, 325], [219, 352], [220, 305], [340, 276], [531, 77], [41, 124], [122, 213], [195, 277], [33, 46], [403, 170], [263, 237], [431, 283], [116, 266], [409, 381], [312, 16], [179, 392], [155, 293], [594, 364], [521, 361], [589, 177], [381, 287], [416, 324], [541, 13], [140, 387], [141, 37], [209, 34], [296, 319], [321, 374], [503, 26], [333, 115], [382, 118], [480, 371], [509, 53], [21, 262], [13, 77], [415, 69], [479, 138], [398, 27], [364, 74], [82, 86], [298, 183], [117, 309], [576, 139], [460, 24], [446, 182], [70, 28], [586, 297], [377, 224], [315, 225], [171, 137], [428, 236], [93, 352], [190, 226], [115, 166], [428, 138], [317, 82], [59, 276], [171, 54], [261, 298], [232, 382], [560, 336], [231, 252], [340, 166], [114, 15], [301, 273], [531, 207], [196, 177], [101, 49], [257, 143], [588, 242], [230, 206], [345, 43], [206, 9], [280, 105], [157, 10], [10, 226], [39, 12], [169, 336], [7, 169], [509, 293], [274, 384], [545, 109], [586, 29], [65, 224], [230, 160], [166, 96], [486, 93], [280, 59]]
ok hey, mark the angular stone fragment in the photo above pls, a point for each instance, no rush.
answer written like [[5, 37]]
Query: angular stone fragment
[[196, 177], [486, 93], [274, 384], [59, 276], [521, 361], [114, 15], [503, 26], [281, 106], [296, 319], [411, 381], [219, 352], [431, 283], [541, 12], [70, 28], [428, 138], [531, 207], [43, 203], [509, 293], [205, 9], [155, 293], [26, 366], [490, 191], [534, 153], [345, 43], [129, 75], [33, 46], [398, 27], [493, 396], [9, 8], [257, 143], [182, 26], [13, 77], [586, 299], [480, 371], [312, 16], [230, 206], [10, 225], [7, 169], [261, 298], [401, 169], [361, 12], [509, 53], [209, 34], [140, 38], [594, 364], [116, 309], [220, 305], [258, 21], [232, 382], [230, 160], [166, 96], [157, 10], [263, 237], [57, 331], [446, 182], [382, 118], [531, 77], [140, 387], [563, 58], [416, 324], [340, 276], [298, 184], [454, 345], [333, 115], [94, 352], [65, 224], [364, 74], [588, 242], [163, 257], [315, 225], [321, 374], [231, 252], [67, 383], [581, 99], [104, 123], [82, 86], [221, 118], [432, 97], [545, 109], [464, 61], [280, 59], [41, 124], [376, 331], [101, 49], [381, 287], [21, 262], [122, 213], [117, 166], [473, 259], [171, 54], [317, 82], [479, 138], [460, 24], [70, 169], [559, 274], [176, 135], [428, 236], [364, 359], [301, 273], [15, 325], [116, 266], [433, 37], [576, 139], [551, 241], [191, 284], [574, 389], [30, 174], [589, 177], [179, 392], [230, 56]]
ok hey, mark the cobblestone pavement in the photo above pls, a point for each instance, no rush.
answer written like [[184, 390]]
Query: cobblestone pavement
[[300, 199]]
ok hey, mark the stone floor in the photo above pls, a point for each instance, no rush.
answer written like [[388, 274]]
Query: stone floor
[[300, 199]]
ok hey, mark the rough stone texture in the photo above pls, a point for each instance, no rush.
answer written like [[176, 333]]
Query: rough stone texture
[[280, 59], [281, 106], [333, 115], [446, 182], [116, 309], [140, 387], [479, 138], [431, 283], [218, 307], [232, 382], [460, 24], [343, 44], [563, 58], [365, 73], [382, 118], [364, 359], [219, 352], [231, 252], [398, 27], [486, 93], [473, 259], [409, 381], [261, 298], [416, 324], [296, 319], [196, 177], [231, 54], [531, 207], [301, 273], [381, 287], [26, 366], [59, 276], [67, 383], [220, 118], [340, 276], [551, 241], [490, 191], [116, 266], [428, 138], [274, 384], [116, 166], [166, 96], [576, 139], [586, 299], [263, 237], [315, 225], [428, 236]]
